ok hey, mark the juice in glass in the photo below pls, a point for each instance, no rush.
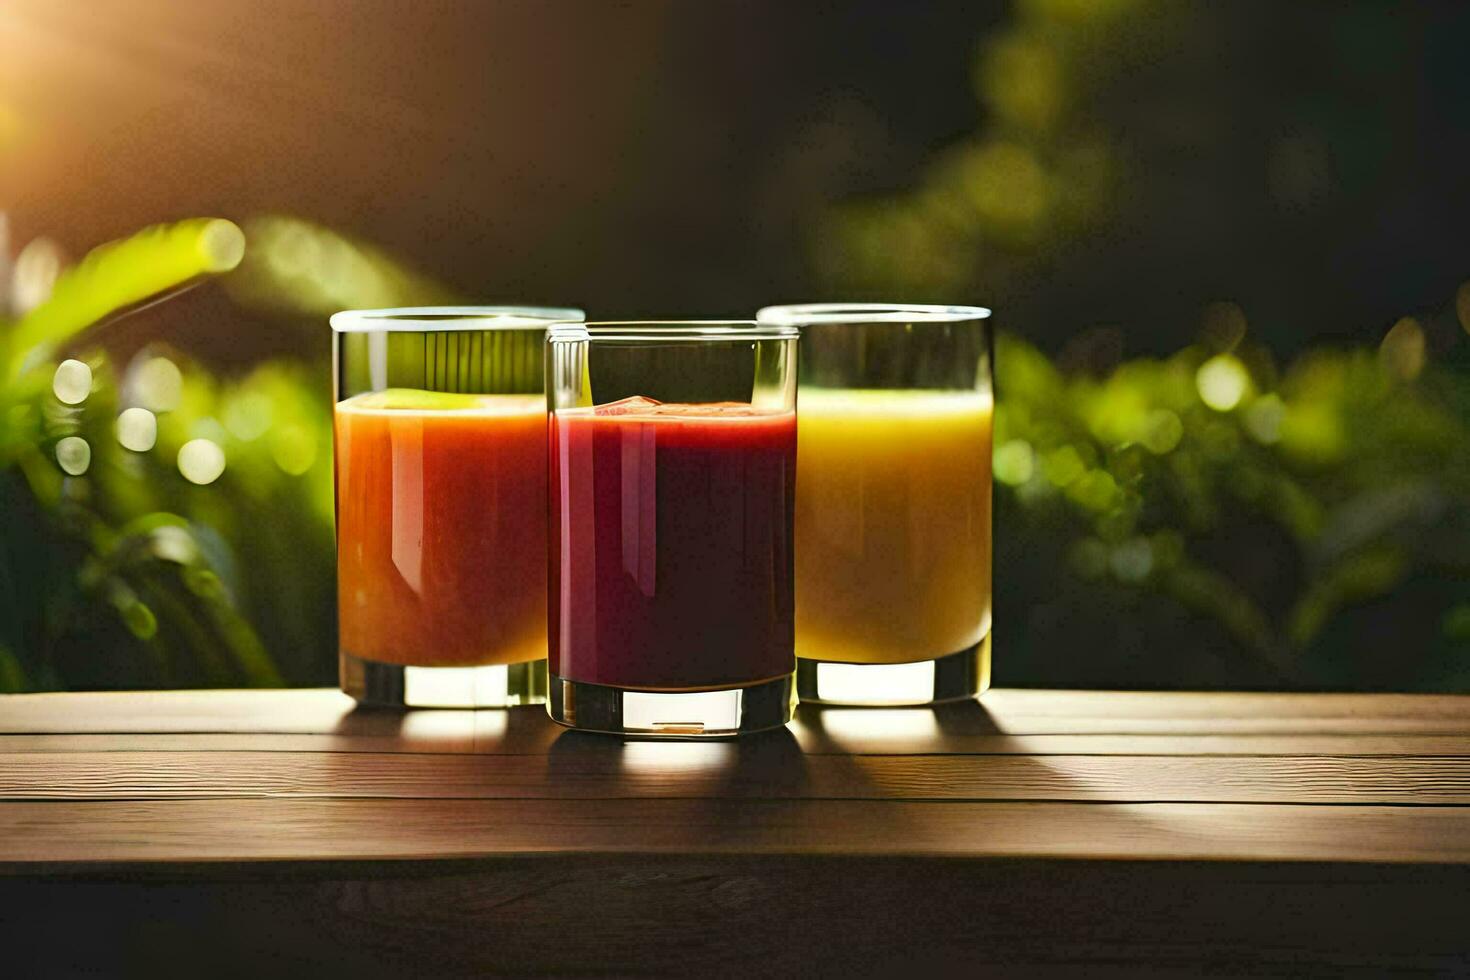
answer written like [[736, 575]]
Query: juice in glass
[[441, 481], [441, 520], [893, 546], [892, 524], [673, 483], [674, 528]]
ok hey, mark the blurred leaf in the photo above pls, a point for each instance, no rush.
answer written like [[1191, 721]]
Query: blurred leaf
[[295, 266], [1367, 574], [118, 275], [12, 677]]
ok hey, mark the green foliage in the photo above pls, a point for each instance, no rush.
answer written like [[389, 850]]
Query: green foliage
[[115, 569], [297, 267], [998, 204], [117, 275], [1273, 507]]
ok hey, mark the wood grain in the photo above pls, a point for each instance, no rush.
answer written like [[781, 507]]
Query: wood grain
[[592, 768], [1016, 712], [748, 915], [876, 743], [207, 831], [1078, 833]]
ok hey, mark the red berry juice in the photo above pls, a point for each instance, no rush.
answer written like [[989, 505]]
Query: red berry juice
[[671, 533]]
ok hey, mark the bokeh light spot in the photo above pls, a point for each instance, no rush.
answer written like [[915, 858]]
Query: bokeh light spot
[[1096, 491], [34, 275], [1222, 382], [1132, 560], [1015, 463], [248, 416], [137, 429], [158, 384], [73, 455], [1062, 466], [1162, 431], [173, 543], [72, 382], [1263, 419], [1021, 79], [201, 461], [294, 449], [1006, 186], [1402, 350]]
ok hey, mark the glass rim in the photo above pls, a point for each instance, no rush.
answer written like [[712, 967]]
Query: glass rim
[[428, 319], [670, 330], [803, 314]]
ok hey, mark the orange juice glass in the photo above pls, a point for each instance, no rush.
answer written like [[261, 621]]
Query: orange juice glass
[[441, 472], [893, 490]]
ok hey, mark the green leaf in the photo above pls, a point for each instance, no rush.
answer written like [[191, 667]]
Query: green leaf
[[121, 274]]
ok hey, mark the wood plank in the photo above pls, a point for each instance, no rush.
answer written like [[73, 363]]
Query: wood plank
[[882, 742], [1013, 712], [1237, 704], [977, 727], [312, 711], [748, 916], [325, 719], [768, 768], [52, 837]]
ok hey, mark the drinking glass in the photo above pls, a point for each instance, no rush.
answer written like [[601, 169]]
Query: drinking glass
[[440, 425], [892, 502], [673, 471]]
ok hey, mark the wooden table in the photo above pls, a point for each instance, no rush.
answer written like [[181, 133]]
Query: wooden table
[[1097, 833]]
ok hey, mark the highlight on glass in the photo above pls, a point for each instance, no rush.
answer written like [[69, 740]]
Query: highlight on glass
[[440, 426], [673, 472], [893, 545]]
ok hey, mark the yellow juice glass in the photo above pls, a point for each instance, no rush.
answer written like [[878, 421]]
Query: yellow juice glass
[[893, 489]]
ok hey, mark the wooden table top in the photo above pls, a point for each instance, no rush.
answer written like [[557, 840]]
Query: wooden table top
[[1084, 789], [119, 778]]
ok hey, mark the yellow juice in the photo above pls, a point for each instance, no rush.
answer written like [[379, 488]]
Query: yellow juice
[[892, 523]]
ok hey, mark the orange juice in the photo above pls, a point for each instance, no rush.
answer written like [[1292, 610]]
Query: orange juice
[[441, 527], [892, 523]]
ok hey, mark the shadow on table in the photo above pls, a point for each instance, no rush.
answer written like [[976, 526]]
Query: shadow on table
[[763, 764], [518, 730], [878, 730], [960, 751]]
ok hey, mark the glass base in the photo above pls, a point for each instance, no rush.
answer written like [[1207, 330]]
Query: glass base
[[396, 686], [683, 714], [953, 677]]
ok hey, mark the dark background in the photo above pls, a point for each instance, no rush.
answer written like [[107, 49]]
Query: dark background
[[1303, 160]]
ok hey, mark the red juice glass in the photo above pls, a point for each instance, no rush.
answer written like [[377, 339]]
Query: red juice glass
[[440, 445], [673, 474]]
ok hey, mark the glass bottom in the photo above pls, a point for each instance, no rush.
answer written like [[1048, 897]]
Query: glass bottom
[[397, 686], [953, 677], [683, 714]]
